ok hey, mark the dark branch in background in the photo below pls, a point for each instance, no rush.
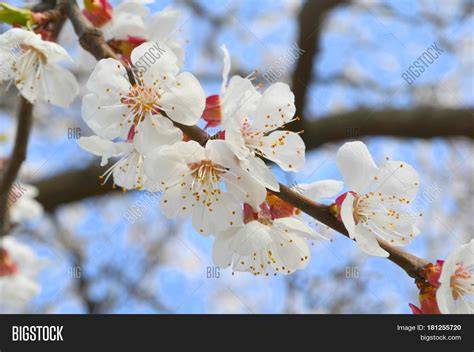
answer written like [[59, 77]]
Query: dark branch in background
[[17, 157], [416, 123], [310, 21], [44, 5]]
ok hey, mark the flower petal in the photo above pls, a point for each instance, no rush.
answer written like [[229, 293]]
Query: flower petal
[[356, 165], [285, 148], [276, 108], [184, 100], [320, 189], [297, 227], [104, 148], [109, 80], [154, 132], [105, 120], [224, 212], [155, 63], [396, 178], [57, 85]]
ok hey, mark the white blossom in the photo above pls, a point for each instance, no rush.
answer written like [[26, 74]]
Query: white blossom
[[204, 182], [32, 65], [377, 204], [115, 105]]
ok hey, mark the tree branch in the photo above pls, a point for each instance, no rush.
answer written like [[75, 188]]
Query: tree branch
[[310, 21], [13, 165], [90, 38], [415, 123]]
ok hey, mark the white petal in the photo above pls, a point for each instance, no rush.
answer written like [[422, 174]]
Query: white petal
[[155, 61], [105, 120], [176, 201], [57, 86], [367, 241], [129, 172], [290, 252], [164, 167], [163, 24], [226, 212], [162, 27], [240, 99], [356, 165], [396, 178], [102, 147], [347, 214], [276, 108], [155, 131], [109, 80], [184, 100], [285, 148], [296, 227], [221, 250], [127, 21], [320, 189], [262, 173]]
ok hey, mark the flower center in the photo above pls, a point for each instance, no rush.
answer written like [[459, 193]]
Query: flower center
[[462, 281], [142, 101], [41, 57], [205, 184]]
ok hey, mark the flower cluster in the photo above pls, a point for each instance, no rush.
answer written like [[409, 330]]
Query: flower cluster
[[135, 107], [224, 186]]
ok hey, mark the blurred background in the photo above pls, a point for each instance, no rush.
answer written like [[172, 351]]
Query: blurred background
[[347, 63]]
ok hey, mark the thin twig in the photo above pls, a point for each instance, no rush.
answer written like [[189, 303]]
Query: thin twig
[[13, 166]]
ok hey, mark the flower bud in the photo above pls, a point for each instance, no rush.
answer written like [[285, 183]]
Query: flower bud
[[99, 12], [212, 113]]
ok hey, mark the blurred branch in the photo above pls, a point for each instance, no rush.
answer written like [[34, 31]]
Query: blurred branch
[[12, 168], [310, 21], [415, 123]]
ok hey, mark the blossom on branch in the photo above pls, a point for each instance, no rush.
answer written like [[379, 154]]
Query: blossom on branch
[[32, 65], [206, 183], [271, 241], [377, 204], [115, 105]]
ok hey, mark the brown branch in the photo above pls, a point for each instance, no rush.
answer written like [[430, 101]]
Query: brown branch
[[415, 123], [310, 20], [90, 38], [16, 160]]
